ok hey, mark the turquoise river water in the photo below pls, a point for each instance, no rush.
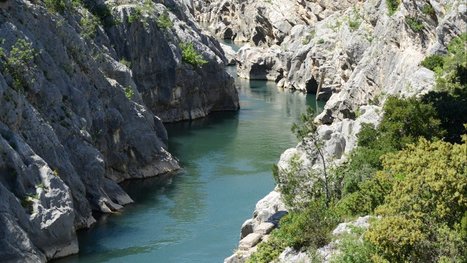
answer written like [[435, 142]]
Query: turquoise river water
[[195, 216]]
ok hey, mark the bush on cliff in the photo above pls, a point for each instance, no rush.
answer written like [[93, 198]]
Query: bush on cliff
[[190, 55], [18, 63], [309, 228], [392, 6]]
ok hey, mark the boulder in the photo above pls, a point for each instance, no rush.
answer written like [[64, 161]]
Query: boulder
[[249, 241]]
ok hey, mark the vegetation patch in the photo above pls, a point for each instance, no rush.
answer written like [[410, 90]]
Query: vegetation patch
[[190, 55], [129, 93], [309, 228], [89, 25], [125, 62], [428, 9], [409, 171], [354, 20], [453, 74], [18, 63], [414, 23], [141, 13], [433, 62], [56, 6], [164, 21], [392, 5], [60, 6]]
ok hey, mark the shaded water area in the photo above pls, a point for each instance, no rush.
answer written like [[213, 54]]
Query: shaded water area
[[196, 215]]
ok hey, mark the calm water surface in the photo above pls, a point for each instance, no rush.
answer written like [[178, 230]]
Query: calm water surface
[[196, 215]]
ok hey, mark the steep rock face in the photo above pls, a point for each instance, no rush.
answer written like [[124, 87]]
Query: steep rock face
[[391, 63], [73, 119], [173, 90], [261, 22], [350, 46]]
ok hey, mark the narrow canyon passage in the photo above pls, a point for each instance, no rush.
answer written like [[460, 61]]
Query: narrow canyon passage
[[196, 215]]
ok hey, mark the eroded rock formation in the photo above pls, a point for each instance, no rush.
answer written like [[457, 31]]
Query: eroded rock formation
[[350, 46], [84, 89], [358, 54]]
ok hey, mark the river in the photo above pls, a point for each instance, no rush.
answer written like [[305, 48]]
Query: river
[[195, 216]]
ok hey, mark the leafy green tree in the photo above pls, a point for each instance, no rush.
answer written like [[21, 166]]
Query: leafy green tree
[[454, 71], [451, 108], [306, 128], [423, 211], [405, 120]]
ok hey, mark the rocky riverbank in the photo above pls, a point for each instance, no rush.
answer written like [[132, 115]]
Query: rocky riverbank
[[85, 87], [356, 54]]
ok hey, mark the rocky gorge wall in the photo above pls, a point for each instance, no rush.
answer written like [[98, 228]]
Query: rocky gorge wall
[[334, 46], [354, 54], [84, 89]]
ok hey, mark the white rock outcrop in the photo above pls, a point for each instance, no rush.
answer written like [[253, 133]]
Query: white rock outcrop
[[266, 217]]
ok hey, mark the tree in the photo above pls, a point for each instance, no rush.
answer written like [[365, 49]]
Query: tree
[[422, 214], [307, 128]]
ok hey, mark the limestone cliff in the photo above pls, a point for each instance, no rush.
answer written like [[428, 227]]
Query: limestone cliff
[[82, 84], [354, 54], [355, 46]]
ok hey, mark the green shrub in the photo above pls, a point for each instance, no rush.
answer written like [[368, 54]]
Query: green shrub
[[306, 39], [370, 194], [392, 6], [433, 62], [422, 214], [306, 125], [135, 16], [125, 62], [268, 251], [354, 19], [18, 63], [56, 6], [89, 25], [352, 174], [28, 201], [129, 93], [414, 23], [141, 13], [308, 228], [289, 181], [354, 249], [164, 21], [190, 55], [428, 9], [454, 72], [354, 24], [405, 120]]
